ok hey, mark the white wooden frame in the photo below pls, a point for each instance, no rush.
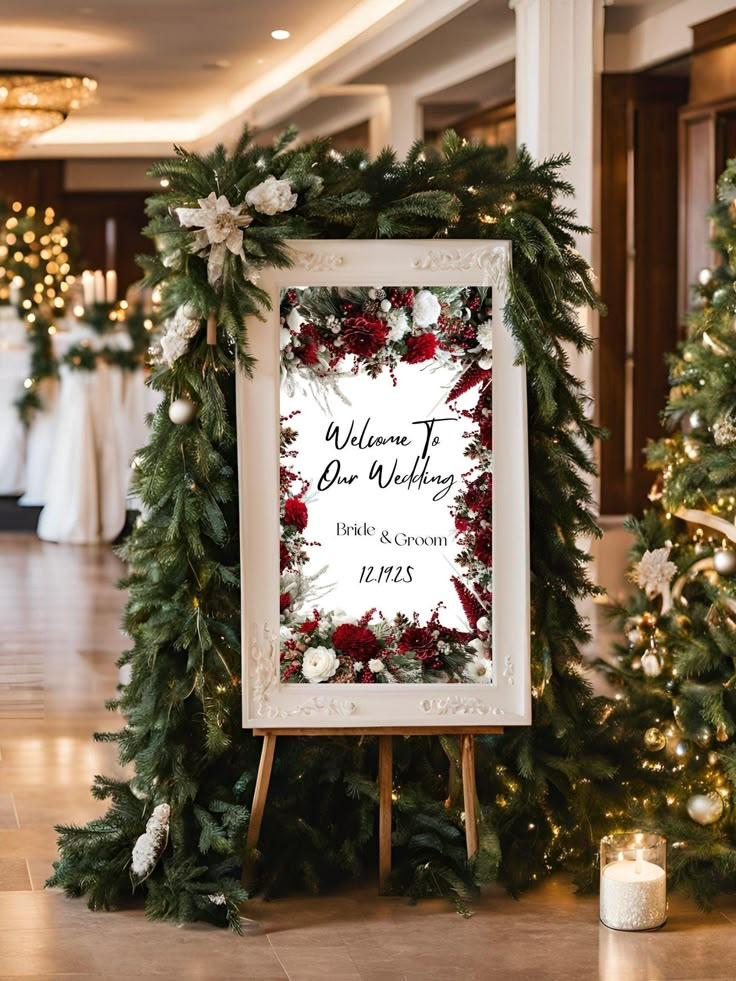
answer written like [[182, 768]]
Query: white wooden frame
[[267, 702]]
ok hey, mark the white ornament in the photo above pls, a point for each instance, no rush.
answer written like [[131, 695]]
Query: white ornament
[[705, 808], [271, 196], [386, 306], [704, 276], [483, 625], [375, 665], [479, 671], [319, 664], [653, 573], [182, 411], [221, 232], [651, 664], [425, 309]]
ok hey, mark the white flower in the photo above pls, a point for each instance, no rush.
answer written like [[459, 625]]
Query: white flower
[[375, 665], [653, 573], [285, 633], [425, 309], [479, 671], [484, 625], [485, 363], [221, 227], [295, 320], [357, 666], [319, 664], [485, 335], [398, 324], [271, 196], [479, 646]]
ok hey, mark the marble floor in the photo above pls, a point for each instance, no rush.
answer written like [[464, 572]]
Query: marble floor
[[58, 642]]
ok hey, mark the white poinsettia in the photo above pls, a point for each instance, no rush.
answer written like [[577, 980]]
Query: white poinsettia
[[271, 196], [485, 335], [653, 572], [319, 664], [425, 309], [479, 670], [221, 227]]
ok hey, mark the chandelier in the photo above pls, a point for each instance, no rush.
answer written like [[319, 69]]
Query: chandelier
[[32, 103]]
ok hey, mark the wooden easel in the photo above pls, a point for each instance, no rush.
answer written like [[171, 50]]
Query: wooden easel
[[385, 784]]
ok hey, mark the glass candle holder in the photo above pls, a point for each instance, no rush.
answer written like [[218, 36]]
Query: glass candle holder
[[633, 881]]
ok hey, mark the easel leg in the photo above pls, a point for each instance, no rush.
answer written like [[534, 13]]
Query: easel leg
[[467, 762], [385, 789], [259, 803]]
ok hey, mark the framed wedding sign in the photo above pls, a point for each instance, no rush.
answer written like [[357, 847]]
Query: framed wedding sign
[[384, 492]]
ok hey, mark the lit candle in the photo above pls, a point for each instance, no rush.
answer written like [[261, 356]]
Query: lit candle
[[633, 889], [99, 286], [111, 286], [88, 288]]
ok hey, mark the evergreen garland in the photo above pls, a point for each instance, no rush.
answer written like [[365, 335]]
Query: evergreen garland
[[542, 788]]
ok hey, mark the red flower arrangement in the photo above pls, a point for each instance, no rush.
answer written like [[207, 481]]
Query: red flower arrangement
[[364, 336], [420, 348], [284, 557], [357, 642], [420, 640], [295, 513]]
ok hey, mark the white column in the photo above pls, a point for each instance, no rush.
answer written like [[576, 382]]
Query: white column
[[559, 61], [397, 121]]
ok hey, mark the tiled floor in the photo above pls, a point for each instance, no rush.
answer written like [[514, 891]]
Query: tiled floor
[[58, 642]]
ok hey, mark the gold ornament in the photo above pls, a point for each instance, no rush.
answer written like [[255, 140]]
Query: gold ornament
[[705, 809], [655, 739]]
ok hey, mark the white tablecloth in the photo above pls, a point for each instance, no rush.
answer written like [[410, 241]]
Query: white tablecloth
[[14, 359]]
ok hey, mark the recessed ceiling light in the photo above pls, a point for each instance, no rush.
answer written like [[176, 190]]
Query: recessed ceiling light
[[280, 35]]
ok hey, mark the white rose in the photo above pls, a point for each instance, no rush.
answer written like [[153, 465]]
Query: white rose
[[426, 309], [398, 323], [375, 665], [271, 196], [319, 664], [479, 671], [485, 335]]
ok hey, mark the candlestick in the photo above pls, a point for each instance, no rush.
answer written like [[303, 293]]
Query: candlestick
[[111, 286], [99, 286], [88, 288], [633, 881]]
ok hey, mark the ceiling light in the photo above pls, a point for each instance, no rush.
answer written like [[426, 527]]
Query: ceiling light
[[280, 35], [32, 103]]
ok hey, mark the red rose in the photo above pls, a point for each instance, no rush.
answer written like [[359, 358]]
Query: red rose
[[420, 348], [308, 627], [363, 335], [461, 523], [284, 601], [420, 640], [295, 513], [358, 642], [284, 557], [483, 550]]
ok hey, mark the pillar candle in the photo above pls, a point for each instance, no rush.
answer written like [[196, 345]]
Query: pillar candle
[[633, 894], [99, 286], [111, 286], [88, 288]]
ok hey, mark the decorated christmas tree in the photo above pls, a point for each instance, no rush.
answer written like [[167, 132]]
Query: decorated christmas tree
[[175, 831], [675, 718]]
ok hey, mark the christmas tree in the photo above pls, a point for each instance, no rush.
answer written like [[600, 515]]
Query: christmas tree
[[675, 718], [175, 831]]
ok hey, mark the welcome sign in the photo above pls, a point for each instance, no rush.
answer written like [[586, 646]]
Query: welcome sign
[[379, 585]]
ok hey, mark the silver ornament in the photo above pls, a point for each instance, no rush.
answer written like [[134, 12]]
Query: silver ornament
[[724, 562], [720, 295], [682, 748], [703, 737], [182, 411], [651, 664], [385, 305], [705, 808], [704, 276], [696, 419], [655, 739]]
